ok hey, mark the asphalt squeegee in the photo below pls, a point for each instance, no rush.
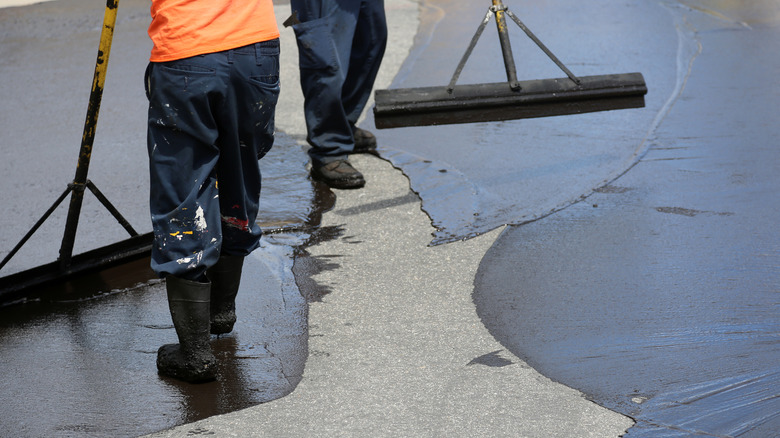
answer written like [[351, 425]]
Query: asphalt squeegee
[[19, 285], [509, 100]]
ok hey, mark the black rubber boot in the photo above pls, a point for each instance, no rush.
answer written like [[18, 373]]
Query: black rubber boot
[[225, 277], [191, 360]]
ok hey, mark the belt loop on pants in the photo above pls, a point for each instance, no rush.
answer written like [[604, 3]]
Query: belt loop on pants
[[230, 56]]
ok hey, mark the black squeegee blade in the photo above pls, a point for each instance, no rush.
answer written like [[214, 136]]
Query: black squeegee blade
[[497, 101]]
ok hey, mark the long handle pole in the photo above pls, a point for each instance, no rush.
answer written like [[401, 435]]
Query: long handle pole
[[88, 138], [506, 47]]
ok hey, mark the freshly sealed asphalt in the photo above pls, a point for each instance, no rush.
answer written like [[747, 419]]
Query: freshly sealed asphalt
[[373, 331]]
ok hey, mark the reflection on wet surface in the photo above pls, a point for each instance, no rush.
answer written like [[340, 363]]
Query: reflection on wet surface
[[96, 358], [748, 12]]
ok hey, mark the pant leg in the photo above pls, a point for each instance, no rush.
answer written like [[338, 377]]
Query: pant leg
[[368, 49], [246, 121], [209, 121], [181, 140], [324, 44]]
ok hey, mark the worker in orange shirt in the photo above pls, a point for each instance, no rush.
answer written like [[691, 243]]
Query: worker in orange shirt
[[212, 84]]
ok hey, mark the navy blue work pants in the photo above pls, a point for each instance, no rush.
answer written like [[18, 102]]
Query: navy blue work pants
[[340, 46], [211, 117]]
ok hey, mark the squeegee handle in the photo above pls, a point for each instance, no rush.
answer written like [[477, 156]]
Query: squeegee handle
[[500, 12], [506, 47], [80, 180]]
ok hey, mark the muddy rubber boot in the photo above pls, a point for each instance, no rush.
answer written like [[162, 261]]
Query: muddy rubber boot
[[225, 277], [191, 360]]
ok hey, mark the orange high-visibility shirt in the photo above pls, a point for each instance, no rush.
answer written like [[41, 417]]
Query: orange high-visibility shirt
[[184, 28]]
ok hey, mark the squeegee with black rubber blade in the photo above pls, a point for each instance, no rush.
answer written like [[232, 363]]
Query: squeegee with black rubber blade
[[22, 285], [509, 100]]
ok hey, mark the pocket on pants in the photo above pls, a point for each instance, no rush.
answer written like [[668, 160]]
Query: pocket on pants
[[316, 47], [267, 60], [188, 66]]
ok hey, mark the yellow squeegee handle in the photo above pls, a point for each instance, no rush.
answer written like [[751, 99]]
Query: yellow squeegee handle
[[90, 124], [506, 46], [96, 95]]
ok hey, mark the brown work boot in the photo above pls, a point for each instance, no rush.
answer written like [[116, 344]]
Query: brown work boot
[[338, 174], [365, 141]]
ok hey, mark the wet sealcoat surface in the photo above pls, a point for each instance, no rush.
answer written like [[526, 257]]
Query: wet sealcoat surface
[[657, 296], [659, 303]]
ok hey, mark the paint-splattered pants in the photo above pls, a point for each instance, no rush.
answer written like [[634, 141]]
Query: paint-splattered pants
[[211, 117], [340, 45]]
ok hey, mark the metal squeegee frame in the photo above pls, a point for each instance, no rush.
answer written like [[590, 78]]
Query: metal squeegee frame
[[508, 100], [67, 265], [498, 9]]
